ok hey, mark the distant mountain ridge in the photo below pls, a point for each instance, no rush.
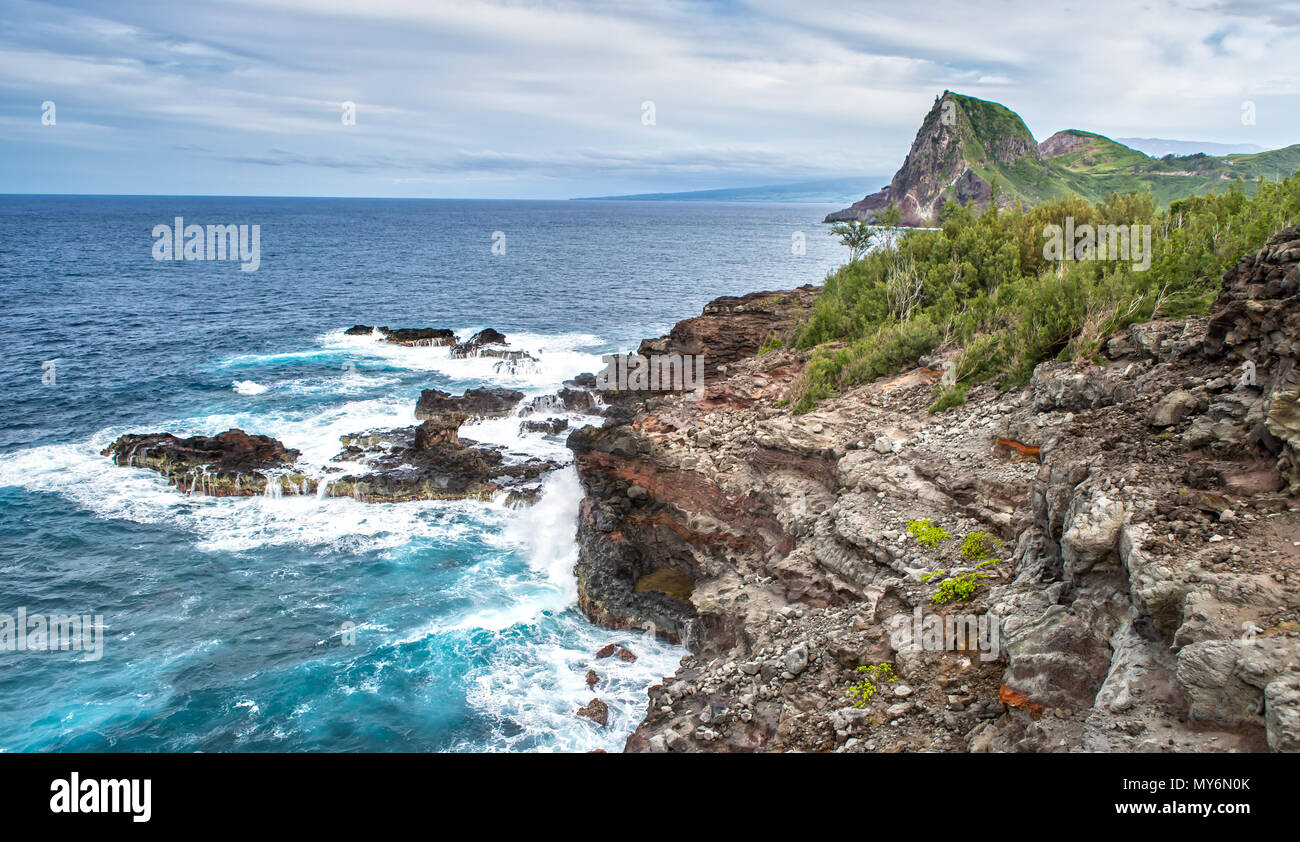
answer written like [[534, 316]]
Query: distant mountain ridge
[[828, 191], [967, 148], [1159, 147]]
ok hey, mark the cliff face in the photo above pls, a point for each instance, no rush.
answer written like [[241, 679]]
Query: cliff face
[[958, 140], [1137, 570]]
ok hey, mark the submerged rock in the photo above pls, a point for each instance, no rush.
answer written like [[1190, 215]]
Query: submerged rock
[[425, 462], [482, 339], [551, 426]]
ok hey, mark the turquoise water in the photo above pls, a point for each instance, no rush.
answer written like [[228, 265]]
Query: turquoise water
[[306, 623]]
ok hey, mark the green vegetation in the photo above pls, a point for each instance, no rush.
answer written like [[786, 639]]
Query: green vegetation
[[982, 284], [927, 533], [856, 235], [770, 344], [1096, 166], [873, 676], [978, 546], [960, 587]]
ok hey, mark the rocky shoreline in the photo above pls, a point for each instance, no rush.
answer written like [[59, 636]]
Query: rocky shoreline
[[427, 461], [1129, 529]]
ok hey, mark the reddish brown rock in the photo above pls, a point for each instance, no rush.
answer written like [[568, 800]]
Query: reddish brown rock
[[595, 710], [440, 430], [732, 328]]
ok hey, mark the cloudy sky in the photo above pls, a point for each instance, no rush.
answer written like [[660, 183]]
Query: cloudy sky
[[547, 99]]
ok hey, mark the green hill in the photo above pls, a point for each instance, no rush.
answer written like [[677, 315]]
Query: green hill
[[968, 150]]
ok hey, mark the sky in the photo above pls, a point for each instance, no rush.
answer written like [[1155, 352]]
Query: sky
[[547, 100]]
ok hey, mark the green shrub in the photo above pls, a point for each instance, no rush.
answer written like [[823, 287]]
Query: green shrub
[[960, 587], [982, 284], [927, 533], [978, 546], [873, 676]]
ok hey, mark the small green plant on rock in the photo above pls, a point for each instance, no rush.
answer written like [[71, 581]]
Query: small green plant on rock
[[962, 586], [932, 574], [927, 533], [873, 676], [978, 546], [771, 344]]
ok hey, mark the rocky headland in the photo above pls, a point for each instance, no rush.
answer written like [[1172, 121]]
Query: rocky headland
[[1130, 528]]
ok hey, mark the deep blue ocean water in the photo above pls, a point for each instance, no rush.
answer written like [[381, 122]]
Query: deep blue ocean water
[[227, 618]]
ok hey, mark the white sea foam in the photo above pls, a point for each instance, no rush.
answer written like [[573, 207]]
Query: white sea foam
[[559, 357], [234, 524], [536, 682], [248, 387]]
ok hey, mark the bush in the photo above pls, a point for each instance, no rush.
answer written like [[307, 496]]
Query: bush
[[873, 675], [927, 533], [960, 587], [978, 546], [982, 284]]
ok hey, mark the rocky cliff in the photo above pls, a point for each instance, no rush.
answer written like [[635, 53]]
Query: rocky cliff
[[1127, 534], [960, 142]]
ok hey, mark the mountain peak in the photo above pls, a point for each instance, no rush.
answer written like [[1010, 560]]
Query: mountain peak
[[966, 145], [961, 139]]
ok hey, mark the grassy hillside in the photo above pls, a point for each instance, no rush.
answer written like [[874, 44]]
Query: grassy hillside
[[982, 284], [1102, 167]]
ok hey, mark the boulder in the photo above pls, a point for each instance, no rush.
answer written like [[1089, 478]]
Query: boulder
[[233, 463], [1092, 529], [595, 710], [418, 336], [1174, 407], [1282, 714], [1067, 387], [492, 402]]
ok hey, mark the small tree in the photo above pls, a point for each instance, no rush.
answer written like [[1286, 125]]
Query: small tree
[[857, 235]]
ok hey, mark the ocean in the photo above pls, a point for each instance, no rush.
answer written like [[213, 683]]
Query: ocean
[[306, 623]]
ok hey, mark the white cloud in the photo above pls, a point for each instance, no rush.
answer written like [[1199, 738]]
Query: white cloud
[[551, 93]]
